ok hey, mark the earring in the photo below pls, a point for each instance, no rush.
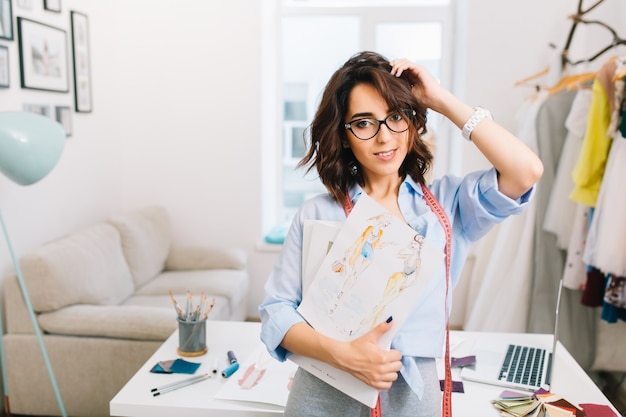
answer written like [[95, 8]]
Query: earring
[[354, 169]]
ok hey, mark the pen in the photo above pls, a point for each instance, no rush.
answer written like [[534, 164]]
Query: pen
[[230, 370], [231, 357], [179, 384]]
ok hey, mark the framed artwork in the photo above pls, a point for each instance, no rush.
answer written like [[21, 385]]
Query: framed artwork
[[42, 109], [6, 20], [82, 66], [4, 67], [43, 56], [52, 5], [63, 115]]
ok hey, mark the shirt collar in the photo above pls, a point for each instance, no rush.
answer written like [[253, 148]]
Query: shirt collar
[[410, 184]]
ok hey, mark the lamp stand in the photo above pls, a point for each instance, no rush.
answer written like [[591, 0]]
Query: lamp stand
[[36, 328]]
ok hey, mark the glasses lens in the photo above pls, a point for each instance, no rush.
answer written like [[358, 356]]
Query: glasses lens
[[396, 123], [365, 128]]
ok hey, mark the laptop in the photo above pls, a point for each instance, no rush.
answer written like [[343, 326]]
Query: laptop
[[517, 366]]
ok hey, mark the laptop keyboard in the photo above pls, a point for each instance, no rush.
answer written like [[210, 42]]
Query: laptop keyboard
[[523, 365]]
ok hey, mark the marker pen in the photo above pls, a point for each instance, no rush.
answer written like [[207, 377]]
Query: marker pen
[[231, 357], [215, 366], [230, 370]]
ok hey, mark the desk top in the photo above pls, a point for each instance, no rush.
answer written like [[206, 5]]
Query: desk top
[[136, 400]]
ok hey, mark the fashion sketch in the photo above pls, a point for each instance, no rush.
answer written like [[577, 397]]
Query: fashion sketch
[[359, 255], [376, 267], [398, 281]]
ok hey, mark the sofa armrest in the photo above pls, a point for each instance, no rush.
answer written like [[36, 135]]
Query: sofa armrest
[[197, 258]]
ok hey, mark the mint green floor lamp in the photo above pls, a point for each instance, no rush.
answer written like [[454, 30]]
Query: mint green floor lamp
[[30, 146]]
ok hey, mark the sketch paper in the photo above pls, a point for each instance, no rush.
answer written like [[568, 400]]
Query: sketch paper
[[260, 379], [322, 233], [376, 266]]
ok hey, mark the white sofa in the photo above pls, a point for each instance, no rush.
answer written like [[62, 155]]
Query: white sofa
[[102, 301]]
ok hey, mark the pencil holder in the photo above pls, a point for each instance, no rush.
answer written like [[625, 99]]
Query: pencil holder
[[192, 338]]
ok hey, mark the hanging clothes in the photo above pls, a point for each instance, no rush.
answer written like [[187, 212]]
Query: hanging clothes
[[568, 220], [605, 248], [561, 210], [576, 322], [589, 169]]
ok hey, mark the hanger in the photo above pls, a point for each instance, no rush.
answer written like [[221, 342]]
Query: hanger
[[532, 77], [571, 82]]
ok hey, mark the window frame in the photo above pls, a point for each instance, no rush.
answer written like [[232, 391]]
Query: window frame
[[272, 116]]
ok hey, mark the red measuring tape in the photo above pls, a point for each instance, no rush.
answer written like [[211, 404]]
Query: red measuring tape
[[446, 403]]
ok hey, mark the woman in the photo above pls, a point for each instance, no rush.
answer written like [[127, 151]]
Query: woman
[[353, 154]]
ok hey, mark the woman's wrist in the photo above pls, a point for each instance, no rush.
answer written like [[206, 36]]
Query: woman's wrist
[[478, 116]]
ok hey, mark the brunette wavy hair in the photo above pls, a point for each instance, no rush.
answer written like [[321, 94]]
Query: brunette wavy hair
[[336, 165]]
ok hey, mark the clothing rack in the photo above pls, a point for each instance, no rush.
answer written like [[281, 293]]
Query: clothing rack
[[578, 19]]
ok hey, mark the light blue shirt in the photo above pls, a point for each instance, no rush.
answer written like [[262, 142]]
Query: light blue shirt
[[473, 205]]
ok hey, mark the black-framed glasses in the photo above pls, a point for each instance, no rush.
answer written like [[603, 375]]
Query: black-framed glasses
[[368, 127]]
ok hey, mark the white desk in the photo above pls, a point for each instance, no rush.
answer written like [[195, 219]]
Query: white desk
[[135, 399]]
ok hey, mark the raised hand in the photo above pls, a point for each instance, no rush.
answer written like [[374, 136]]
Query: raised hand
[[426, 87]]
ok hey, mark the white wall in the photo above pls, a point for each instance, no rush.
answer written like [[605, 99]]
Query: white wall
[[176, 117], [82, 187]]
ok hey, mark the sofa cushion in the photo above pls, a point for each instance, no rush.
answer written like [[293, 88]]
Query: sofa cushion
[[118, 322], [86, 267], [145, 241], [228, 283], [220, 311], [195, 257]]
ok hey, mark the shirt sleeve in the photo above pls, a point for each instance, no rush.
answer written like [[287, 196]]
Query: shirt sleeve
[[283, 293], [478, 204]]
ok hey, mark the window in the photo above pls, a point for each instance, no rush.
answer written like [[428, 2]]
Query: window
[[309, 41]]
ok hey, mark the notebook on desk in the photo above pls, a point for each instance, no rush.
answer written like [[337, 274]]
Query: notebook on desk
[[513, 365]]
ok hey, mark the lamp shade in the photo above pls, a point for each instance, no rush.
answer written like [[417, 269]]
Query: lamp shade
[[30, 146]]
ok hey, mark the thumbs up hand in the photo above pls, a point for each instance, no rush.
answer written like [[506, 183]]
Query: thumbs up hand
[[369, 363]]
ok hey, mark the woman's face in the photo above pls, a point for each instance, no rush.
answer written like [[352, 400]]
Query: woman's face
[[382, 155]]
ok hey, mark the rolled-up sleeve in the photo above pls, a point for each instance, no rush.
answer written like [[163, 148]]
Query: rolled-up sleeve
[[480, 204]]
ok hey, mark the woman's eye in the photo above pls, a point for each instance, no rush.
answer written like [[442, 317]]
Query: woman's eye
[[394, 117], [363, 124]]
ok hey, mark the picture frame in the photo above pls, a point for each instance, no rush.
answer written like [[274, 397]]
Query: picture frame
[[4, 67], [6, 20], [43, 56], [42, 109], [63, 115], [82, 65], [52, 5]]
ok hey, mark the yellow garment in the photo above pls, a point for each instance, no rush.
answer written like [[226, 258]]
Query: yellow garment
[[589, 169]]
